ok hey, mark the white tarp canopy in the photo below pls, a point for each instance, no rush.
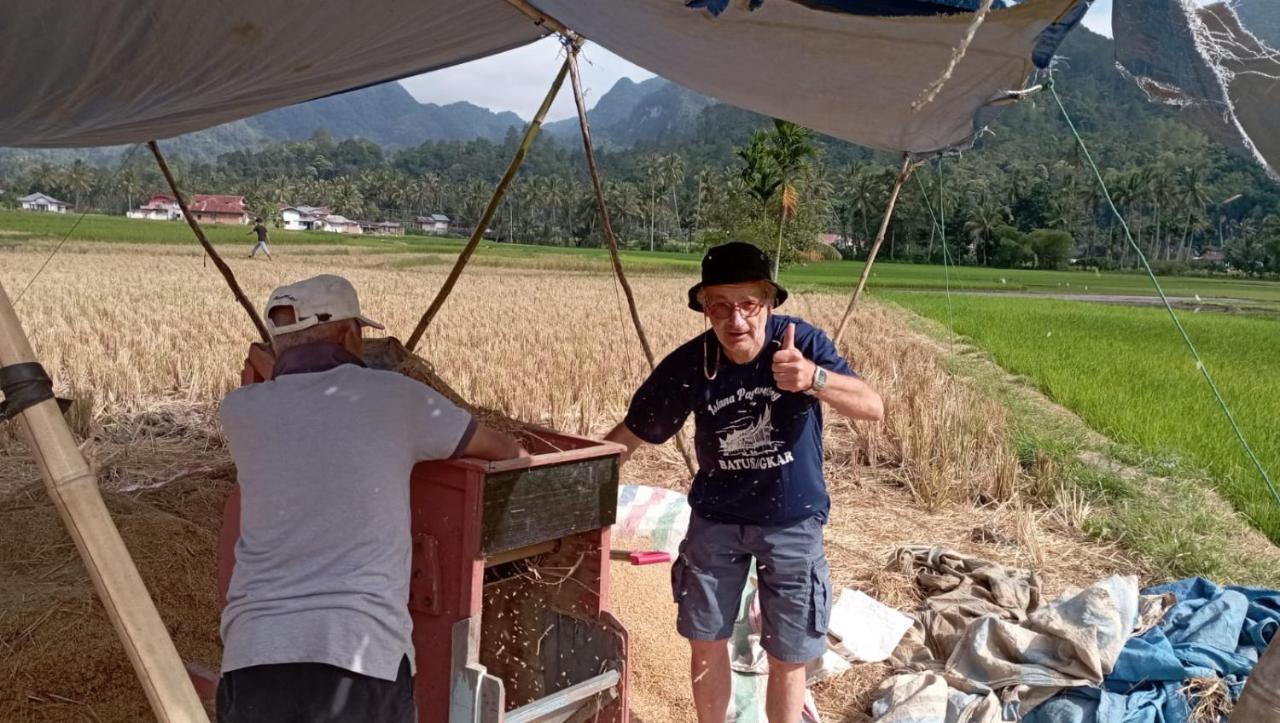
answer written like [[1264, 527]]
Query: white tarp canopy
[[102, 72]]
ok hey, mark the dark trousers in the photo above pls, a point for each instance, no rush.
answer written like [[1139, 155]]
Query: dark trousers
[[313, 692]]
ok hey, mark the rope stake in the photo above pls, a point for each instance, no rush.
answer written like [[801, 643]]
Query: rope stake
[[1186, 338]]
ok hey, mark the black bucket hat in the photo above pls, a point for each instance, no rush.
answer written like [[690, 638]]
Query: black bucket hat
[[734, 263]]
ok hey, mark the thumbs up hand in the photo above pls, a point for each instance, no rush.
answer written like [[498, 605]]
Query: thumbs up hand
[[791, 371]]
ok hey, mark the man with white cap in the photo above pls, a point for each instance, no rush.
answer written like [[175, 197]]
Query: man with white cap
[[316, 625]]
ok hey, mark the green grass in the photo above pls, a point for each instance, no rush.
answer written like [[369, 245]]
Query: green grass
[[1125, 371], [1152, 505], [976, 278], [18, 227]]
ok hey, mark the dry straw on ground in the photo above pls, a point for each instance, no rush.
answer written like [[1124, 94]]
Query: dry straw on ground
[[148, 340]]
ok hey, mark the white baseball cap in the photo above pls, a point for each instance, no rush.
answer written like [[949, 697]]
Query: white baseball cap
[[317, 300]]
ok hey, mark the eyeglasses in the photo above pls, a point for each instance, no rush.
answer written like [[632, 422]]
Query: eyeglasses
[[721, 310]]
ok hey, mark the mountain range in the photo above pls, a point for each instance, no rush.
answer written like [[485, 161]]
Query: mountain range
[[652, 112]]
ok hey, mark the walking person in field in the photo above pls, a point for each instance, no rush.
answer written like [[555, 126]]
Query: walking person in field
[[754, 384], [316, 625], [260, 229]]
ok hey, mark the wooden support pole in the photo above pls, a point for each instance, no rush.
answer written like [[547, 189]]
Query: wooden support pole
[[208, 247], [540, 18], [75, 494], [530, 134], [903, 175], [572, 48]]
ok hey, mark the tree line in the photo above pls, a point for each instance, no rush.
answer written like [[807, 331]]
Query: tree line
[[1021, 197]]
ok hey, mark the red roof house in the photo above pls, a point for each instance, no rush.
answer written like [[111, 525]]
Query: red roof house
[[219, 209]]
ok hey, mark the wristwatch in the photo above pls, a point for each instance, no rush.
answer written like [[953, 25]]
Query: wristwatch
[[819, 381]]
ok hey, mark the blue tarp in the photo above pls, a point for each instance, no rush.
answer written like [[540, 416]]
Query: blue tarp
[[1210, 631]]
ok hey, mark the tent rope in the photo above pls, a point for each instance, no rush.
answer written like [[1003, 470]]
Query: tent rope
[[17, 299], [221, 265], [572, 46], [1186, 338], [530, 133], [947, 261]]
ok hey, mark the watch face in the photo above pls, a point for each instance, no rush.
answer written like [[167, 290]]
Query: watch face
[[820, 378]]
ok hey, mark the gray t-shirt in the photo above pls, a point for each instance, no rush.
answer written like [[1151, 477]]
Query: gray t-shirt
[[323, 560]]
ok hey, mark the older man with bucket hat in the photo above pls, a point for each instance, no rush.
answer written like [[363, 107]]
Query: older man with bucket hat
[[754, 384], [316, 625]]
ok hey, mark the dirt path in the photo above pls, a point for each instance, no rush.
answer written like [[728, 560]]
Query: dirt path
[[1190, 303]]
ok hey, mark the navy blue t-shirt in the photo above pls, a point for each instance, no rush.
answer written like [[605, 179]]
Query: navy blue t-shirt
[[759, 448]]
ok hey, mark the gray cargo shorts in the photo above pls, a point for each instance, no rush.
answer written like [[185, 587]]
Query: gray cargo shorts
[[795, 584]]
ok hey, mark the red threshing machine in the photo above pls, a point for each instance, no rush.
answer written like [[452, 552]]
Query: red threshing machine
[[510, 585]]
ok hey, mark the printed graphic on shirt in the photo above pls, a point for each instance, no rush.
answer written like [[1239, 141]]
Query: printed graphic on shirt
[[749, 436], [747, 442]]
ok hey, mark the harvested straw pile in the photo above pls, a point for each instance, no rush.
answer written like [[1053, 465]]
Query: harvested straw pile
[[62, 660], [388, 353]]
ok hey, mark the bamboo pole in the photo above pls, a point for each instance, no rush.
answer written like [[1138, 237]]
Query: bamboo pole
[[530, 134], [572, 47], [74, 491], [208, 247], [903, 176]]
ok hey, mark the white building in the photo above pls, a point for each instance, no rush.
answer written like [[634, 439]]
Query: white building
[[338, 224], [160, 207], [43, 202], [304, 218]]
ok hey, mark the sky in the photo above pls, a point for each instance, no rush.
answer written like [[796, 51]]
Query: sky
[[517, 80]]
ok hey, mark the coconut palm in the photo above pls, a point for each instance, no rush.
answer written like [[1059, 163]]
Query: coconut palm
[[673, 178], [985, 216], [79, 180], [1194, 197], [129, 185], [792, 147]]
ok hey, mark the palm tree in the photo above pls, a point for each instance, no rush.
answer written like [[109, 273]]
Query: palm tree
[[984, 218], [862, 194], [760, 173], [128, 184], [651, 166], [673, 176], [1191, 192], [792, 147], [700, 197], [79, 180]]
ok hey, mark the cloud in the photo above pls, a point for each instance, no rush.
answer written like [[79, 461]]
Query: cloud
[[517, 80]]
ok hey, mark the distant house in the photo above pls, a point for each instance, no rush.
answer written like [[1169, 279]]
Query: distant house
[[436, 223], [338, 224], [1210, 256], [219, 209], [304, 218], [160, 207], [382, 228], [43, 202]]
